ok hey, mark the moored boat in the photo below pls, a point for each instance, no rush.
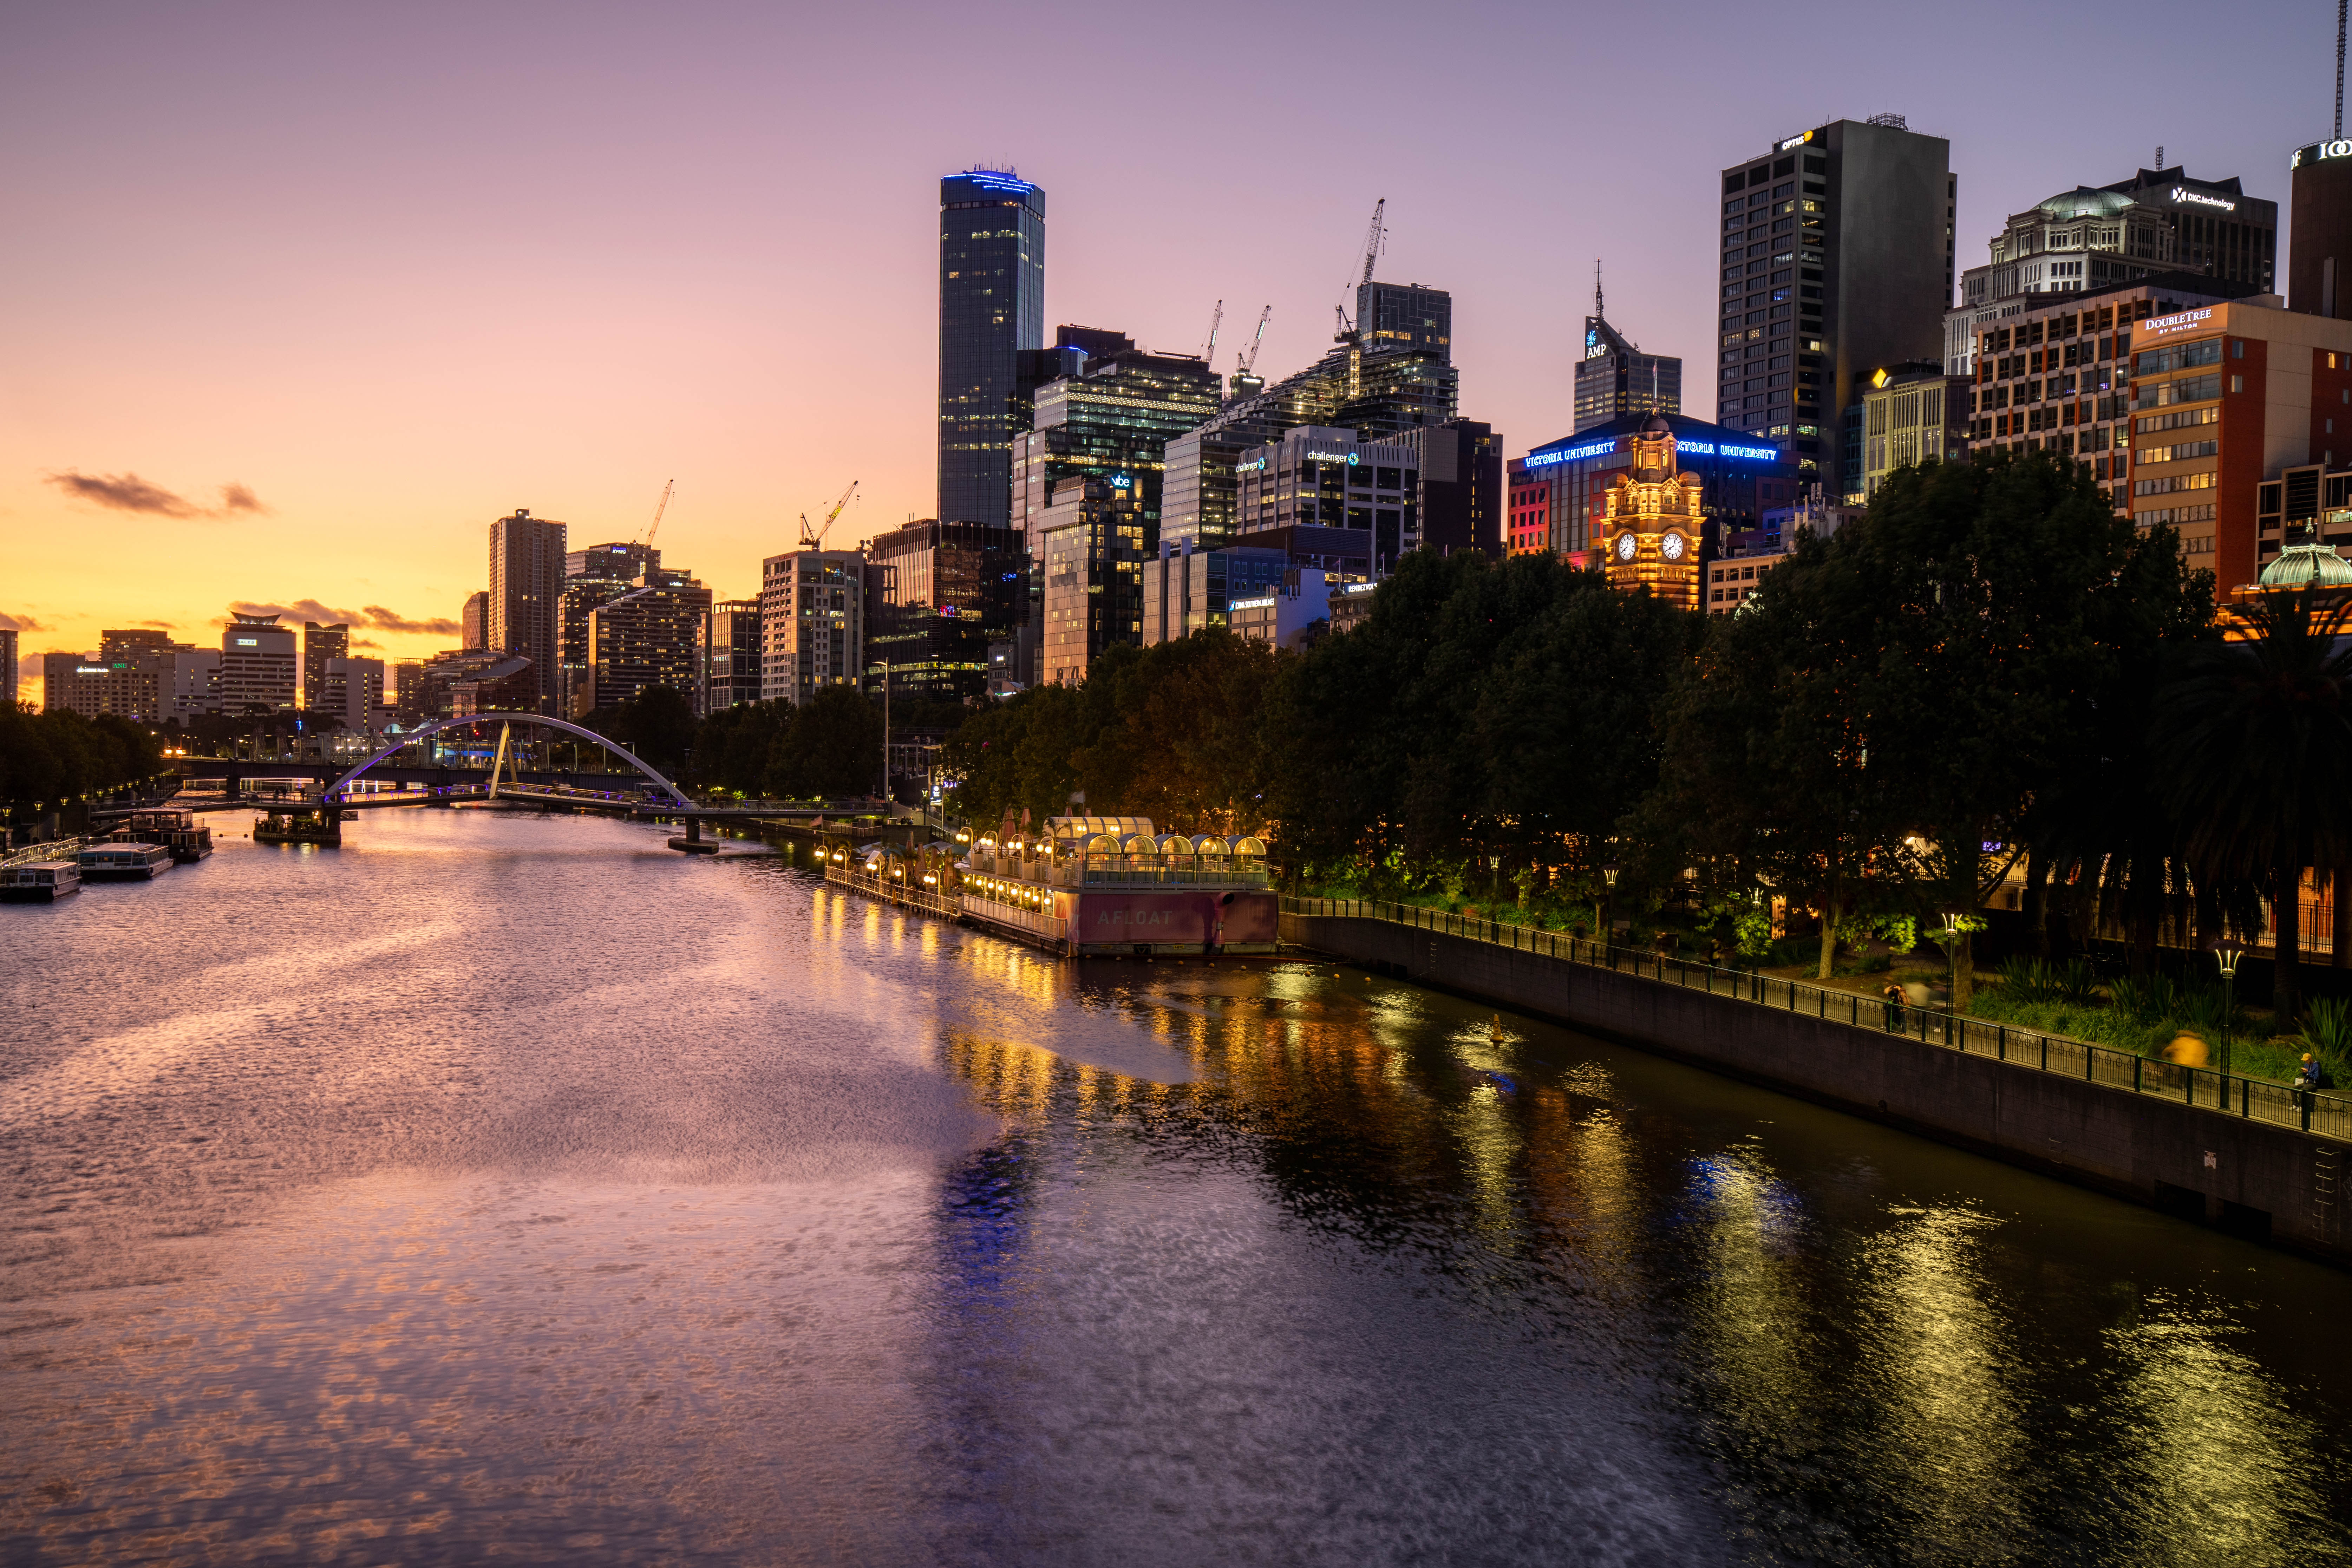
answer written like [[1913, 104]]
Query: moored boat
[[38, 881], [124, 862]]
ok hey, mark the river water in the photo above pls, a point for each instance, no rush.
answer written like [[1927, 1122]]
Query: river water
[[505, 1186]]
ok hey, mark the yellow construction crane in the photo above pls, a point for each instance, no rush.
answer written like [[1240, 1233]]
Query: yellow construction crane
[[656, 526], [816, 540]]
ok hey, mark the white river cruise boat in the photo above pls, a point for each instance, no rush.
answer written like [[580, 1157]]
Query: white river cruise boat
[[38, 881], [124, 862]]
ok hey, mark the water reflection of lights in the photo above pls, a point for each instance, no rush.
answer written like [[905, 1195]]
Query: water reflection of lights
[[1936, 1359], [2223, 1460]]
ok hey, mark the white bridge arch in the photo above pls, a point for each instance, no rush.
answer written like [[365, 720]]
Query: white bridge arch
[[426, 731]]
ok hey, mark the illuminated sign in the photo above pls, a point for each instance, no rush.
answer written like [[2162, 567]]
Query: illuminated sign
[[248, 642], [2183, 193], [2318, 151], [1593, 347], [1120, 481], [1346, 457], [1572, 454], [950, 611], [1794, 141], [1250, 604], [2161, 326], [1252, 463]]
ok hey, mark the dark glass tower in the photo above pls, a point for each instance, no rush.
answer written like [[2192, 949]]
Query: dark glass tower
[[992, 309]]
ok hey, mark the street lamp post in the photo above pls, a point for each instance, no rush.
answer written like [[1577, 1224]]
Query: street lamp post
[[2226, 954], [1609, 884], [1952, 956]]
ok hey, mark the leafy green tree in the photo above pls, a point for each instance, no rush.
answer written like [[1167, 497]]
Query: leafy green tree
[[832, 749], [1768, 775], [1017, 754], [2254, 741], [657, 724]]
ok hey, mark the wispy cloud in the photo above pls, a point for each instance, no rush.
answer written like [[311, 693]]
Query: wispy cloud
[[22, 624], [369, 617], [129, 492]]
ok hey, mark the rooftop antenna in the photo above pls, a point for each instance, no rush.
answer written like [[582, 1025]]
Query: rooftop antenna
[[2159, 157], [1597, 311], [2339, 70]]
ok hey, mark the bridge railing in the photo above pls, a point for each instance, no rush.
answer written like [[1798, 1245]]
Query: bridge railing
[[2312, 1110]]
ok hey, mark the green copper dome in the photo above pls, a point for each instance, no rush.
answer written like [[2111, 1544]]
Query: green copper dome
[[2309, 564]]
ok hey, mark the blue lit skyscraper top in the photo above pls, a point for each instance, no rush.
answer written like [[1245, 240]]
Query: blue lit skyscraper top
[[992, 306]]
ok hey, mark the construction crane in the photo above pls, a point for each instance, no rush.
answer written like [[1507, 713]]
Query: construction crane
[[816, 540], [1249, 358], [654, 527], [1216, 320], [1373, 238]]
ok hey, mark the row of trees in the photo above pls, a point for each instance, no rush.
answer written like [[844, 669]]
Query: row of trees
[[1989, 664], [47, 759], [829, 747]]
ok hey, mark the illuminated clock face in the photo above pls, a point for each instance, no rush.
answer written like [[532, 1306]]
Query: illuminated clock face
[[1625, 547], [1671, 547]]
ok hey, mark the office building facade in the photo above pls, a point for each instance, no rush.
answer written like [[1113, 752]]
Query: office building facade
[[1326, 477], [1375, 388], [2227, 398], [731, 654], [1837, 258], [1616, 378], [615, 563], [2319, 255], [992, 311], [938, 595], [526, 593], [1457, 497], [2056, 377], [258, 670], [812, 623], [350, 691], [1089, 554], [1910, 418], [2095, 237], [592, 578], [1529, 529], [654, 635], [1111, 420], [321, 645], [474, 621], [1189, 591], [8, 673]]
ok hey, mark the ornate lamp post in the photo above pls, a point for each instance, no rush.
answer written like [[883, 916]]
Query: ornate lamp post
[[2226, 954], [1608, 882], [1952, 955]]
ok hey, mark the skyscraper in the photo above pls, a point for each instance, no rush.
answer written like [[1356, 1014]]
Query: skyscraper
[[654, 635], [1616, 378], [257, 666], [320, 644], [1837, 259], [8, 674], [2319, 259], [474, 628], [525, 584], [992, 309]]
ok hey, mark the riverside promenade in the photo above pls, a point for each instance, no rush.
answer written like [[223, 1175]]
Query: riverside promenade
[[2253, 1157]]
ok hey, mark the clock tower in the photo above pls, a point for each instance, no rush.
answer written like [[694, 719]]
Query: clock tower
[[1652, 527]]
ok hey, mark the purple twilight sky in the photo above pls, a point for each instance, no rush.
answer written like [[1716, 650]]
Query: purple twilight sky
[[396, 270]]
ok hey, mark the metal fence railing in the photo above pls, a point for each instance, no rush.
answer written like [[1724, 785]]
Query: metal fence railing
[[49, 849], [893, 890], [1049, 928], [2204, 1088]]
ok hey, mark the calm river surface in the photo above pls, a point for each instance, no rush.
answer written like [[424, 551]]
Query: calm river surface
[[499, 1186]]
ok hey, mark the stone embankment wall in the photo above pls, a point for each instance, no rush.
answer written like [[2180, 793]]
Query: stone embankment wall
[[2247, 1176]]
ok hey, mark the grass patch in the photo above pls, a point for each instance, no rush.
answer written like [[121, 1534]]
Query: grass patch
[[2253, 1052]]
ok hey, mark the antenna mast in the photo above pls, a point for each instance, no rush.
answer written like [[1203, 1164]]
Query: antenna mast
[[2339, 70], [1597, 311]]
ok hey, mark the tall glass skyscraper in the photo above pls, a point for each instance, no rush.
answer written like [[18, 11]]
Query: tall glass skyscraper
[[992, 309]]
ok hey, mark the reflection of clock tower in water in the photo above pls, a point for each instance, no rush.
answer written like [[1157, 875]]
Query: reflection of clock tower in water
[[1655, 521]]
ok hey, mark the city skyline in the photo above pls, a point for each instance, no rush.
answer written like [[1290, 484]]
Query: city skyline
[[333, 346]]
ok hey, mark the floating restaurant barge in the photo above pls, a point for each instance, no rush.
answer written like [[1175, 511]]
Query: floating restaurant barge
[[1091, 886]]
